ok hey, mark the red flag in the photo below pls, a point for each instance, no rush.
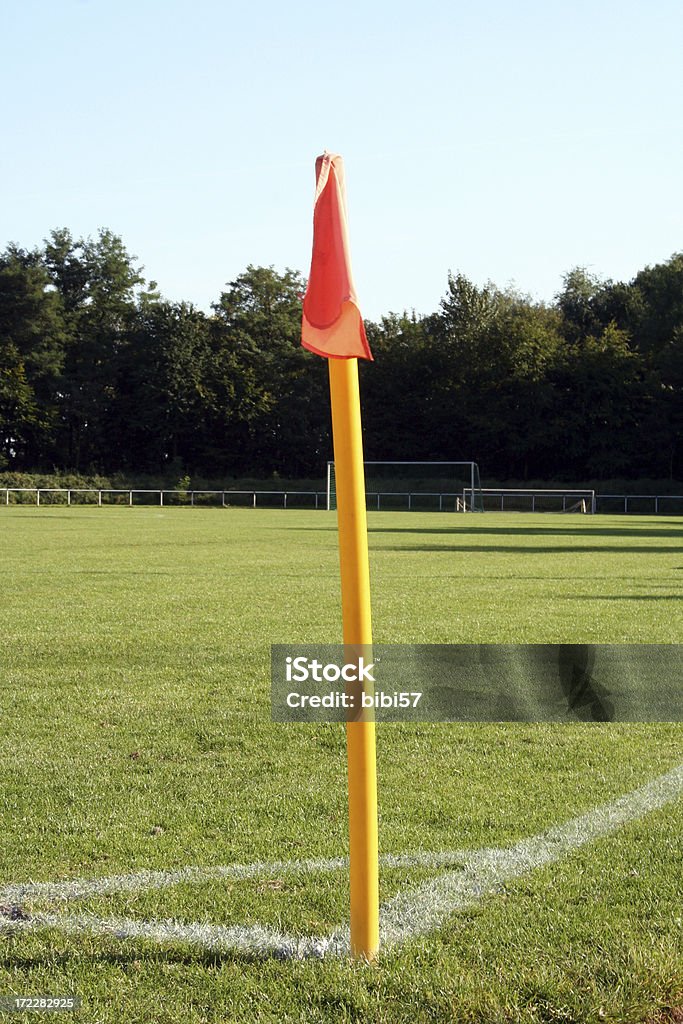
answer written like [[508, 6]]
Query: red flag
[[332, 325]]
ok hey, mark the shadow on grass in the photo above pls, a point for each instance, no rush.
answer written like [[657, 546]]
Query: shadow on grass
[[534, 531], [620, 597], [655, 531], [537, 549]]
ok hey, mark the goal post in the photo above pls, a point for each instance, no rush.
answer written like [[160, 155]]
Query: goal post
[[536, 499], [416, 486]]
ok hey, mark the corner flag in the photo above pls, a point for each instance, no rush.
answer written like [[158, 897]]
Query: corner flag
[[333, 327], [332, 324]]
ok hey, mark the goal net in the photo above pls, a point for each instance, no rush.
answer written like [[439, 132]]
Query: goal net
[[539, 499], [416, 486]]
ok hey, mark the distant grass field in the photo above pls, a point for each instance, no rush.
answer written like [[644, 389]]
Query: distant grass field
[[136, 734]]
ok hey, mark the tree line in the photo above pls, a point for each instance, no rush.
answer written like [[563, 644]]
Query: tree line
[[99, 373]]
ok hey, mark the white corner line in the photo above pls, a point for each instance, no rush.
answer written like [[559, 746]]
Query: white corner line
[[404, 917], [426, 908], [82, 888]]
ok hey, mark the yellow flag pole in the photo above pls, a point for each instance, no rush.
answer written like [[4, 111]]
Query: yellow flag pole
[[355, 588]]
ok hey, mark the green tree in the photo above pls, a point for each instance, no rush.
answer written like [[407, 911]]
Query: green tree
[[486, 358], [18, 409], [395, 389], [576, 303], [520, 399], [33, 335], [656, 311], [101, 288], [460, 370], [267, 394], [66, 266], [601, 397], [666, 420], [160, 385]]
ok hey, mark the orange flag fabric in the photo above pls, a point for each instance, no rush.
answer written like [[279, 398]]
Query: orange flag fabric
[[332, 324]]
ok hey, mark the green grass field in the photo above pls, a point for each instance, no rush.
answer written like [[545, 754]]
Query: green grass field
[[136, 735]]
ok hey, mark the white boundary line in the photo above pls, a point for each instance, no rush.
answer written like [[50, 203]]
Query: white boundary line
[[81, 888], [428, 907], [402, 918]]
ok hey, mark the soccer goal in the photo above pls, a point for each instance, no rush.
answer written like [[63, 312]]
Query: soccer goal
[[538, 499], [416, 486]]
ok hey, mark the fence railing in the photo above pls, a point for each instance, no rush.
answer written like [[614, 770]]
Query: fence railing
[[381, 501], [413, 501], [160, 497], [640, 504], [543, 500]]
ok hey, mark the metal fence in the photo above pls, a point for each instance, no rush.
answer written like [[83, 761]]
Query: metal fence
[[413, 501], [161, 498], [380, 501], [640, 504]]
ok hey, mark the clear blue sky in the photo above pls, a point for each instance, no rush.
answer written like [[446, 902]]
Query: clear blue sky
[[510, 141]]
